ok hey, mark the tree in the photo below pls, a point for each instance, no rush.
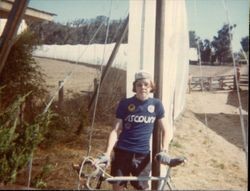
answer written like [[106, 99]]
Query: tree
[[205, 50], [221, 44], [192, 39], [18, 139], [22, 75], [245, 43], [79, 31], [21, 84]]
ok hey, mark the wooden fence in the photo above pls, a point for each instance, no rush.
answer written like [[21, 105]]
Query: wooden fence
[[225, 82]]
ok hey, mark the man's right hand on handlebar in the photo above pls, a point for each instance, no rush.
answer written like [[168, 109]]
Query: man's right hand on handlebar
[[102, 159]]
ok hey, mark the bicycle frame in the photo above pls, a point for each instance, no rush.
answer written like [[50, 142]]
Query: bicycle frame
[[99, 174], [163, 181]]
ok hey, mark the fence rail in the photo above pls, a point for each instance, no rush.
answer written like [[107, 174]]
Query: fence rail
[[217, 82]]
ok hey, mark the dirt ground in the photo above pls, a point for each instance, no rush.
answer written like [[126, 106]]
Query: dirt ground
[[214, 149], [216, 159]]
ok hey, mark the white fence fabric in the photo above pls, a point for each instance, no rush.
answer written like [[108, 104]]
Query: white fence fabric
[[176, 51], [90, 54]]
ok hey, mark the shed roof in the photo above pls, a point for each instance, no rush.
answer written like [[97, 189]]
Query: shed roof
[[30, 13]]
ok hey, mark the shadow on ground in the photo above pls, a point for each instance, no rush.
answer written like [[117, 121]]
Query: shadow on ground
[[226, 125], [233, 100]]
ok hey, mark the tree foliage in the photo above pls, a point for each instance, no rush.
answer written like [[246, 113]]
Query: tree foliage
[[218, 49], [18, 139], [192, 39], [245, 43], [79, 31], [21, 74], [205, 50], [22, 124], [222, 44]]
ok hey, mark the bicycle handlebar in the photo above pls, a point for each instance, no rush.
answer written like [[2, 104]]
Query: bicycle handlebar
[[92, 170]]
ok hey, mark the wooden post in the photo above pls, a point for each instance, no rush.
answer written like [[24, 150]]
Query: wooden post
[[95, 83], [60, 96], [201, 83], [237, 77], [158, 78], [221, 83], [10, 29], [209, 83], [111, 59]]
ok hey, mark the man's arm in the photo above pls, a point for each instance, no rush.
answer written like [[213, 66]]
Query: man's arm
[[165, 141], [113, 136]]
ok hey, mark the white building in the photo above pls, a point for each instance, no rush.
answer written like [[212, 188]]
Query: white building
[[30, 14]]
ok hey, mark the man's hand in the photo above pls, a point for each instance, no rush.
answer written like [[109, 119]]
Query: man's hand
[[102, 159]]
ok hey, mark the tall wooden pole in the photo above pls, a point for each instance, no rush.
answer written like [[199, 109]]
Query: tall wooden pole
[[14, 19], [158, 78]]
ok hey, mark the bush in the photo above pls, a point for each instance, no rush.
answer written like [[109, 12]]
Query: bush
[[21, 75], [22, 123], [18, 139]]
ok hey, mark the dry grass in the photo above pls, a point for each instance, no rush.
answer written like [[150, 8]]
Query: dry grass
[[216, 159]]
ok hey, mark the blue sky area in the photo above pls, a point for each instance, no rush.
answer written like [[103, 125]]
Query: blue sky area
[[205, 17], [68, 10]]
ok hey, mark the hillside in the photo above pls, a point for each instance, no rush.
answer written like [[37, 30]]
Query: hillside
[[216, 160]]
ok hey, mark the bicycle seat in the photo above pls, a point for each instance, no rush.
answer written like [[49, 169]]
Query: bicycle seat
[[176, 161], [171, 162]]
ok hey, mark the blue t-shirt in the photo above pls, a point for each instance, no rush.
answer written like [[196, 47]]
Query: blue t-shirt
[[138, 119]]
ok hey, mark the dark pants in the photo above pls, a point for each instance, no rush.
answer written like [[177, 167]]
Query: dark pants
[[126, 163]]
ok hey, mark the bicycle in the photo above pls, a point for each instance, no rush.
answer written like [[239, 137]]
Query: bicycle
[[93, 175]]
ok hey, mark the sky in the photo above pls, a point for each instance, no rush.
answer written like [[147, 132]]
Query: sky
[[205, 17], [68, 10]]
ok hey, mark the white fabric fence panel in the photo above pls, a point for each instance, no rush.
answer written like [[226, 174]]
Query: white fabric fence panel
[[90, 54], [176, 56], [176, 52], [141, 39]]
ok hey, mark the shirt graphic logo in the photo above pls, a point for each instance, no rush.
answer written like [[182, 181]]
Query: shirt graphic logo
[[140, 119], [131, 107], [151, 108]]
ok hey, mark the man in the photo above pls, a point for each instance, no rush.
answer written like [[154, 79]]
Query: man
[[130, 136]]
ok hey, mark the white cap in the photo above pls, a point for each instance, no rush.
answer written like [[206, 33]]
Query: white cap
[[142, 74]]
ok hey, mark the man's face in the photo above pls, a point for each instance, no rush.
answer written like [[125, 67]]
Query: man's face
[[143, 88]]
